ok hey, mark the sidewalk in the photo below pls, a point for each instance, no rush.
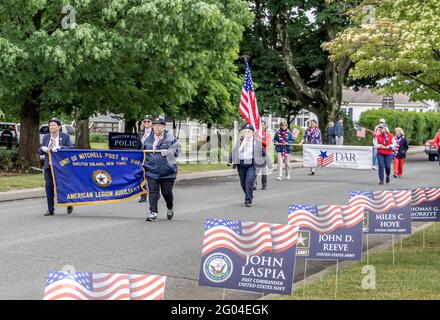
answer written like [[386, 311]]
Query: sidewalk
[[296, 161]]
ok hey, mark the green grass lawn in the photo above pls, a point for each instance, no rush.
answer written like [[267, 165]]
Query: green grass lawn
[[99, 145], [24, 181], [416, 274]]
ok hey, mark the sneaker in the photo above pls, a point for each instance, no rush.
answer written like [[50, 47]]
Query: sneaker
[[152, 217], [248, 205], [374, 167], [170, 214], [280, 178], [395, 176], [381, 182], [69, 209], [49, 213], [387, 180], [288, 177]]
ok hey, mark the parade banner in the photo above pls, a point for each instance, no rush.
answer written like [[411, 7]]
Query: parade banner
[[332, 156], [96, 176], [425, 204], [328, 232], [386, 212], [62, 285], [249, 256]]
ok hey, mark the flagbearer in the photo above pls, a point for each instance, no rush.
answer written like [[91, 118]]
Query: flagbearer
[[147, 125], [161, 167], [248, 155], [53, 141]]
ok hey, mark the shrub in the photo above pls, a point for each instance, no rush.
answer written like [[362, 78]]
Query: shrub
[[9, 160], [418, 126], [98, 138]]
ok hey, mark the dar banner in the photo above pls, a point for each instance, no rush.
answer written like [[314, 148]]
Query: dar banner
[[386, 212], [96, 176], [328, 232], [343, 157], [249, 256]]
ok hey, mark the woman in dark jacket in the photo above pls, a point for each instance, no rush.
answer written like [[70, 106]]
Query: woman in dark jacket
[[161, 167], [399, 152]]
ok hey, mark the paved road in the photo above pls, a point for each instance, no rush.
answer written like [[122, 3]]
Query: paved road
[[115, 238]]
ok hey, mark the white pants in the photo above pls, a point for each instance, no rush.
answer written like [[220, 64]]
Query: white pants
[[339, 141], [286, 163]]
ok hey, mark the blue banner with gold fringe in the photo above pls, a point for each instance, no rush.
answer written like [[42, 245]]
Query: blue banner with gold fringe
[[97, 176]]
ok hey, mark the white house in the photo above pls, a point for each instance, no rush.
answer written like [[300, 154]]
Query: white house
[[356, 102]]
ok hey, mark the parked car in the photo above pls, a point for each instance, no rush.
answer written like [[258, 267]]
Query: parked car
[[431, 150], [66, 128], [9, 134]]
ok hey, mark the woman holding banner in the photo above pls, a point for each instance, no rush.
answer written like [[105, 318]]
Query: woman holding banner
[[312, 135], [161, 167], [283, 137], [385, 145], [399, 152]]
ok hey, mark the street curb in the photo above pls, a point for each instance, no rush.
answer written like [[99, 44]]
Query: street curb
[[344, 264]]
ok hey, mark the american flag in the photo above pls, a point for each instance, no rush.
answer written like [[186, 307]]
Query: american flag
[[324, 159], [402, 197], [418, 196], [62, 285], [377, 201], [295, 132], [432, 194], [283, 237], [247, 238], [352, 215], [248, 103], [322, 219], [360, 132]]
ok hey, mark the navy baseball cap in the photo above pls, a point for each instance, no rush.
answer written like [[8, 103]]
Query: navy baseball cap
[[58, 121], [159, 120]]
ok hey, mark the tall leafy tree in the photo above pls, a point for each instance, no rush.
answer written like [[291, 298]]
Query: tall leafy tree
[[396, 39], [290, 67], [124, 56]]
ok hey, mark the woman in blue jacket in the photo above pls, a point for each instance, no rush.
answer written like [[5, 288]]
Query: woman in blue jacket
[[161, 167]]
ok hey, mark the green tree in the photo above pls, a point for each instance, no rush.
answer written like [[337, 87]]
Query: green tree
[[397, 39], [122, 56], [291, 69]]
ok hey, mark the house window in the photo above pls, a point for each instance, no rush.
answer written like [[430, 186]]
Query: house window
[[388, 103]]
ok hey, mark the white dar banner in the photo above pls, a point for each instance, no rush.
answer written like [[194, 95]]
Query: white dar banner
[[332, 156]]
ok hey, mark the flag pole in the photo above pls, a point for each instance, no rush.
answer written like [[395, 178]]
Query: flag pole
[[336, 283], [367, 251], [394, 258], [304, 282]]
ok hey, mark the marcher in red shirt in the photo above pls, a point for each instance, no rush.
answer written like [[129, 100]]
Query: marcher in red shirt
[[437, 144], [265, 140], [385, 145]]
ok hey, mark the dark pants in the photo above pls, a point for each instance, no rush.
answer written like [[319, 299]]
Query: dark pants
[[49, 189], [384, 163], [166, 188], [247, 176]]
